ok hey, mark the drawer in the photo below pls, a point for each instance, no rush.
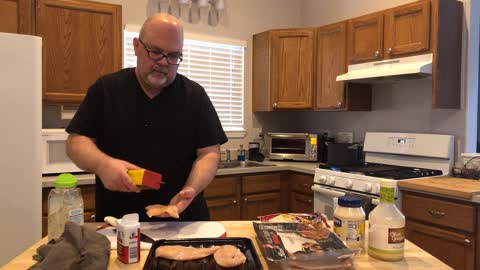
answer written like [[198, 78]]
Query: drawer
[[301, 183], [261, 183], [444, 213], [223, 186]]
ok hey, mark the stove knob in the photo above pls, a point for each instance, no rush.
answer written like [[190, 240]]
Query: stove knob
[[376, 189], [368, 187], [331, 181], [323, 179], [349, 184]]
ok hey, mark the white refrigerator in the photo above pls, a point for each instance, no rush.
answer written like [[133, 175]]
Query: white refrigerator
[[20, 138]]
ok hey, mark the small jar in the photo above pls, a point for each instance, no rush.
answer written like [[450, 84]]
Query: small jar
[[349, 221]]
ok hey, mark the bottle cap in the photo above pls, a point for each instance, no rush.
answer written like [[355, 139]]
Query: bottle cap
[[387, 183], [65, 180], [349, 201]]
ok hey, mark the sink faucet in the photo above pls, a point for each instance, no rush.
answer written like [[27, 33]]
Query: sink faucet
[[228, 155]]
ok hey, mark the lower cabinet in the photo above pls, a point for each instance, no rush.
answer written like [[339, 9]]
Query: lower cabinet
[[245, 197], [88, 194], [446, 228], [301, 194]]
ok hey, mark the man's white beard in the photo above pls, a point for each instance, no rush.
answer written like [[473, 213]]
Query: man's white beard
[[157, 82]]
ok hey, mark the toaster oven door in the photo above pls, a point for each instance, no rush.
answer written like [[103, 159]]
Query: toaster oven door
[[54, 156], [293, 146]]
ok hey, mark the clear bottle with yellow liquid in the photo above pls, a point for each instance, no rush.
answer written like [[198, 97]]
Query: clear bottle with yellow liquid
[[386, 226]]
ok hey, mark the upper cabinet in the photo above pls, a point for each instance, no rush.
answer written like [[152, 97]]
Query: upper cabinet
[[297, 68], [421, 27], [331, 55], [283, 69], [16, 16], [82, 41], [407, 29], [395, 32], [365, 38]]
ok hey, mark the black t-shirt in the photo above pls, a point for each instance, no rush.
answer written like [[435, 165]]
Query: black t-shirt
[[160, 134]]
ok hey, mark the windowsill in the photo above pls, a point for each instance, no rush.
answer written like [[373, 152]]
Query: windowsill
[[236, 134]]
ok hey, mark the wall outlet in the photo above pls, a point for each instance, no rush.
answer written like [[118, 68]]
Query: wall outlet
[[344, 137], [257, 133]]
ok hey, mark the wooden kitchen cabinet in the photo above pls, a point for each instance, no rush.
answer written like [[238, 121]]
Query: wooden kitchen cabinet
[[331, 61], [223, 198], [245, 197], [395, 32], [16, 16], [407, 29], [82, 40], [301, 194], [88, 195], [365, 38], [283, 70], [446, 228], [421, 27]]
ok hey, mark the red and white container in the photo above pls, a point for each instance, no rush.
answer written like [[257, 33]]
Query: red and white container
[[128, 239]]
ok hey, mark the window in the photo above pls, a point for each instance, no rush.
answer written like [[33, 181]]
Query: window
[[217, 65]]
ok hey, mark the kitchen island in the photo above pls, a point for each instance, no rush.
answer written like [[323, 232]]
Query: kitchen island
[[415, 257]]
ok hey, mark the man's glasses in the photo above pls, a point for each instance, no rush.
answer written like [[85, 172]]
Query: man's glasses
[[172, 59]]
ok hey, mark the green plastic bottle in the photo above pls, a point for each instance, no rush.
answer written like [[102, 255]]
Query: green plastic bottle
[[65, 203]]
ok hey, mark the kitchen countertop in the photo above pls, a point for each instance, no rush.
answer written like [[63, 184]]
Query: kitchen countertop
[[415, 257], [445, 186], [302, 167]]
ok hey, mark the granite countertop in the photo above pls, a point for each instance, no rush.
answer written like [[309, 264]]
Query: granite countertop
[[301, 167]]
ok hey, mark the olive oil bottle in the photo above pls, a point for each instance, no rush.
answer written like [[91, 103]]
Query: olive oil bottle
[[386, 226]]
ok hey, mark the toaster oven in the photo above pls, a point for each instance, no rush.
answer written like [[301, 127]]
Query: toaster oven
[[293, 146]]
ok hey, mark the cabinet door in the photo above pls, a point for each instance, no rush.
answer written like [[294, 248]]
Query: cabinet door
[[16, 16], [454, 248], [300, 203], [260, 204], [292, 69], [365, 38], [331, 62], [224, 209], [82, 41], [407, 29]]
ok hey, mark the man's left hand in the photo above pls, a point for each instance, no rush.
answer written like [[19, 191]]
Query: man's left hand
[[183, 199]]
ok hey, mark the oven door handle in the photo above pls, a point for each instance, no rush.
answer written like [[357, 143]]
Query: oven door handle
[[327, 192]]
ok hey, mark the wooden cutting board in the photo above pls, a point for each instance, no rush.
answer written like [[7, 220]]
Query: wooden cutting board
[[445, 185]]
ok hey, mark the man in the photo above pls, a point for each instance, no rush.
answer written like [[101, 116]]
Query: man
[[148, 117]]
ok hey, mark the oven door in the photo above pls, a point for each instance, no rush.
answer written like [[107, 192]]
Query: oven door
[[293, 146], [325, 199]]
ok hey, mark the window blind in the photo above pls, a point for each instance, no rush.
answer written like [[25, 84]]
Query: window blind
[[217, 66]]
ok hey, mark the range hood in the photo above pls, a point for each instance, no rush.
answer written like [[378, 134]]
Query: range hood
[[412, 67]]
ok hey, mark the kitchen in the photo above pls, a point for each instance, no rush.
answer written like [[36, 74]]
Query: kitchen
[[405, 106]]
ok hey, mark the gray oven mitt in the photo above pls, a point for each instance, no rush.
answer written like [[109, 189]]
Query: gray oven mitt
[[78, 248]]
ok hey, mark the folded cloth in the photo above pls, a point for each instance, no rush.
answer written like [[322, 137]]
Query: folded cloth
[[78, 248]]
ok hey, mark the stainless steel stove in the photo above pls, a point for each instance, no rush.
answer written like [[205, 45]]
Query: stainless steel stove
[[396, 156]]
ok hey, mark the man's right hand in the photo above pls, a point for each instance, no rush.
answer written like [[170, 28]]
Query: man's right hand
[[113, 173]]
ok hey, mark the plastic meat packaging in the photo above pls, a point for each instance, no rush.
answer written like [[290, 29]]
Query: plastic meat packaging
[[304, 242]]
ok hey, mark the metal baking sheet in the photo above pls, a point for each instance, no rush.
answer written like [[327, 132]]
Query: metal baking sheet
[[244, 244]]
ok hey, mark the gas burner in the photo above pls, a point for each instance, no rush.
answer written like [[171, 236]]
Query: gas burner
[[384, 171]]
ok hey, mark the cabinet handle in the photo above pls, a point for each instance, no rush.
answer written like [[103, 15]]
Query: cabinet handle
[[466, 242], [436, 213], [92, 218], [306, 185], [377, 53], [275, 105], [389, 51], [339, 104], [245, 200], [234, 202], [309, 201]]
